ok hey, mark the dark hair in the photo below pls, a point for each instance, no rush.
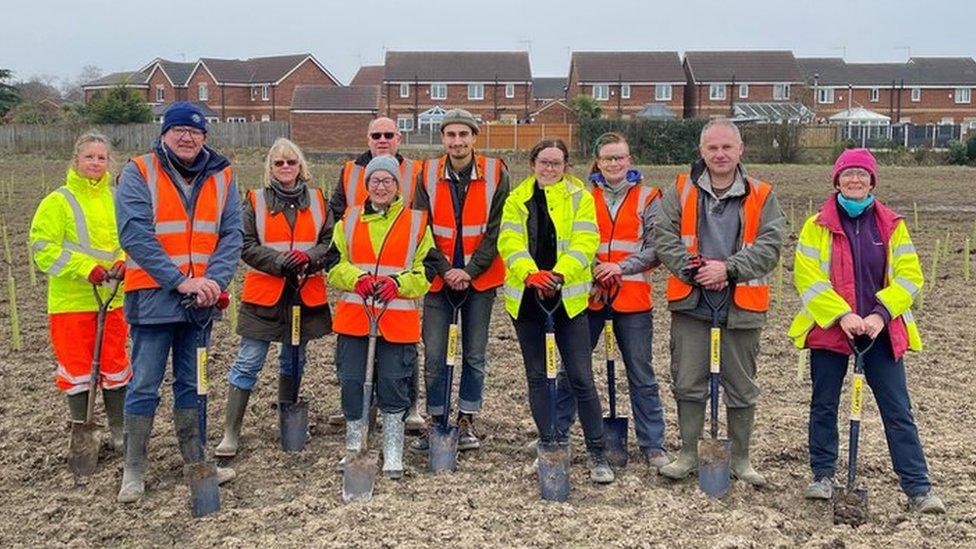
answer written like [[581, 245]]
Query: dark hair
[[608, 138], [546, 144]]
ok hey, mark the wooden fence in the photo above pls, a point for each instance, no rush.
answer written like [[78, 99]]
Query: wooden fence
[[525, 136], [136, 137]]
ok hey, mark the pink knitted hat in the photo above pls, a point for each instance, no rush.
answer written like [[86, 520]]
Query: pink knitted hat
[[856, 158]]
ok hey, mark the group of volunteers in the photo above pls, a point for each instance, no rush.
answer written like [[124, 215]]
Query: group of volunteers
[[420, 243]]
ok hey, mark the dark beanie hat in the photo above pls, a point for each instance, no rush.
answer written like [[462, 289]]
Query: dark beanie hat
[[184, 113]]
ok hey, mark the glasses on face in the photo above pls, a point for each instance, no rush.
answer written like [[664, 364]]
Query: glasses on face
[[613, 158], [385, 135], [856, 173], [192, 133], [290, 162], [551, 164], [386, 182]]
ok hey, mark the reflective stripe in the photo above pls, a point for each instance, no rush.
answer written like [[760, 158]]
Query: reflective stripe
[[578, 256], [119, 376], [58, 266], [637, 277], [491, 183], [814, 290], [277, 246], [576, 198], [260, 215], [131, 263], [908, 285], [351, 182], [62, 372], [585, 226], [441, 231], [304, 244], [430, 180], [98, 254], [513, 292], [317, 206], [350, 225], [472, 230], [512, 226], [378, 269], [204, 226], [620, 246], [84, 244], [684, 193], [521, 254], [809, 251], [151, 176], [415, 220], [761, 281], [576, 289], [220, 181], [687, 240], [908, 316], [903, 249], [398, 304], [406, 181], [39, 245], [170, 227]]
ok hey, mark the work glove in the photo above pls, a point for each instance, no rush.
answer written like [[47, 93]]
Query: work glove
[[98, 275], [223, 301], [694, 263], [118, 270], [545, 283], [296, 261], [365, 286], [387, 288]]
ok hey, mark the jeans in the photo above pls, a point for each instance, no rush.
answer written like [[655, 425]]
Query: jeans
[[572, 340], [633, 333], [886, 377], [151, 346], [475, 317], [250, 360], [393, 372]]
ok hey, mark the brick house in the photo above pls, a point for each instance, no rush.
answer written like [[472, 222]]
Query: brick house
[[548, 88], [718, 80], [491, 85], [555, 111], [368, 75], [924, 90], [625, 82], [331, 117]]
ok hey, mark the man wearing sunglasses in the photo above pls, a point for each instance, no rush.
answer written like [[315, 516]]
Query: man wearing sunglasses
[[178, 214]]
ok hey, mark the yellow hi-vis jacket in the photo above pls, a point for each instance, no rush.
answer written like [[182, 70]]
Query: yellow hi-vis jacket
[[72, 231], [573, 214]]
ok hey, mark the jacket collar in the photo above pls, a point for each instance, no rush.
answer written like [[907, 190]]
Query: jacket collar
[[214, 162], [829, 216], [372, 214], [364, 158], [78, 184]]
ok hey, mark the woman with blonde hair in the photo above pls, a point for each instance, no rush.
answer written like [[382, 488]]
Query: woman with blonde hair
[[287, 232]]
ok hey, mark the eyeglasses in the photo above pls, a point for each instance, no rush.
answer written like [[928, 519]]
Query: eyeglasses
[[856, 173], [385, 135], [552, 164], [192, 133], [290, 162], [614, 158], [381, 182]]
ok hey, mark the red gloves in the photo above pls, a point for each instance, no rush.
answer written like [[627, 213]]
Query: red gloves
[[365, 286], [387, 289], [118, 270], [223, 301], [98, 275], [694, 263], [296, 261], [546, 283]]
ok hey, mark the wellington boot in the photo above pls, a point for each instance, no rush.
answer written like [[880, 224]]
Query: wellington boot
[[393, 430], [355, 432], [415, 423], [136, 435], [188, 436], [691, 417], [236, 405], [741, 421], [115, 411], [78, 406]]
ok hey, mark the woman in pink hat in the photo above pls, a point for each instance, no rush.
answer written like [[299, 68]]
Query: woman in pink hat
[[858, 274]]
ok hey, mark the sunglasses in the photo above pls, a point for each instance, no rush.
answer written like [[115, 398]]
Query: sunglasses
[[385, 135], [290, 162]]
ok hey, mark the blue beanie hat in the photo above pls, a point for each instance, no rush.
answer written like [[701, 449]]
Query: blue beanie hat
[[184, 113], [384, 163]]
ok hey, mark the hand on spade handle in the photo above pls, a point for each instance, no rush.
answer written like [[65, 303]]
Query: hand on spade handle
[[190, 301]]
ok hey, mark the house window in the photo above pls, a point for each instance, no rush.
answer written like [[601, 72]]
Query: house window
[[716, 92], [825, 95], [625, 91], [404, 90], [405, 123], [874, 95], [662, 92], [254, 93], [236, 119], [476, 92], [916, 94], [743, 91], [265, 92], [160, 93], [781, 92], [947, 121], [265, 118], [509, 91], [601, 92], [437, 91], [202, 92], [964, 95]]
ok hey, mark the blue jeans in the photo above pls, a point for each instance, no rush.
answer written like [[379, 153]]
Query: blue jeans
[[886, 377], [634, 333], [151, 346], [250, 360], [393, 370], [475, 317]]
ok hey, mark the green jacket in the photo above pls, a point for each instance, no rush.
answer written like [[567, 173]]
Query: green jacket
[[73, 230]]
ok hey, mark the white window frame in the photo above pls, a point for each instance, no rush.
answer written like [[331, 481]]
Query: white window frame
[[265, 118], [405, 123], [476, 92], [625, 91], [211, 120], [662, 92], [404, 89], [874, 95], [438, 92], [238, 119], [601, 92], [509, 91], [160, 93], [743, 91], [825, 95], [716, 92], [265, 92], [947, 121], [781, 92], [254, 93], [963, 95], [203, 94], [916, 95]]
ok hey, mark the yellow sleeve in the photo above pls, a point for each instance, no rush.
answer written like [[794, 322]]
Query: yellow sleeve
[[47, 241], [811, 279]]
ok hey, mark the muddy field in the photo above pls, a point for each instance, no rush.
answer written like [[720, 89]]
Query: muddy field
[[289, 500]]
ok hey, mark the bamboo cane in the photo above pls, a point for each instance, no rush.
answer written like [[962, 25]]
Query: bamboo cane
[[915, 215], [14, 319], [232, 308], [779, 282], [30, 266], [793, 217], [6, 243], [966, 261]]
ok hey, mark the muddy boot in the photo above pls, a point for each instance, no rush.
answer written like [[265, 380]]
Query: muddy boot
[[740, 421], [600, 471], [421, 445], [393, 428], [467, 439], [78, 406], [236, 405], [415, 422], [691, 417], [188, 436], [136, 435], [355, 431], [114, 409]]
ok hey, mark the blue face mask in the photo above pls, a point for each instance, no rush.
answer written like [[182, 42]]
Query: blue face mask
[[854, 208]]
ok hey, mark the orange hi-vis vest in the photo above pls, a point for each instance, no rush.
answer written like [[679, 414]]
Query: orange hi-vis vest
[[354, 182], [620, 237], [264, 289], [474, 216], [401, 322], [751, 295], [188, 242]]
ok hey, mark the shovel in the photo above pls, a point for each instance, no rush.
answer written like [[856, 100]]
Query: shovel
[[83, 450], [293, 414], [614, 427], [850, 502], [360, 471], [442, 450], [553, 456], [714, 454], [202, 476]]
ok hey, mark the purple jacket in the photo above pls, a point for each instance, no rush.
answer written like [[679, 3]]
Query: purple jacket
[[868, 249]]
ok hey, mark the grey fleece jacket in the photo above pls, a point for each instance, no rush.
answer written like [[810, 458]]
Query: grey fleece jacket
[[756, 261]]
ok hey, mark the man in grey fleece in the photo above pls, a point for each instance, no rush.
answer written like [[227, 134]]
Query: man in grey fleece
[[734, 224]]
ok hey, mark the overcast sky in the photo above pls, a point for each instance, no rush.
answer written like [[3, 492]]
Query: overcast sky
[[43, 37]]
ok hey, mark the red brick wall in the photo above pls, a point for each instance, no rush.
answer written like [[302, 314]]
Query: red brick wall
[[698, 104], [555, 114], [323, 132], [90, 94], [308, 73], [640, 95], [935, 104], [457, 97]]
